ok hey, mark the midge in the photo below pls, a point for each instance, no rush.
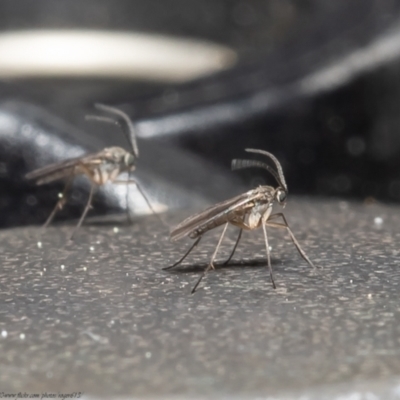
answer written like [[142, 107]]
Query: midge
[[102, 167], [247, 211]]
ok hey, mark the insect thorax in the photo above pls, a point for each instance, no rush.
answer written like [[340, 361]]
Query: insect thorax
[[119, 157], [112, 161]]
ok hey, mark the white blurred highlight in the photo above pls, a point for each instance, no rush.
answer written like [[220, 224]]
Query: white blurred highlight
[[53, 53]]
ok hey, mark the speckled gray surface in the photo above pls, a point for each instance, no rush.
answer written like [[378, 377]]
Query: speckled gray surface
[[100, 317]]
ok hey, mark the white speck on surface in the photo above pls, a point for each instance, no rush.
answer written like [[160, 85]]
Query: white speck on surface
[[351, 280], [39, 245], [44, 269], [60, 195], [378, 221], [4, 333], [148, 354], [40, 273], [22, 336], [116, 229], [96, 338], [112, 322], [91, 248], [84, 268], [270, 248], [62, 267], [370, 295], [127, 274]]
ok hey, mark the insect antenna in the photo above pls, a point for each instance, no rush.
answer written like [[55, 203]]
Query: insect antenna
[[241, 164], [281, 179], [126, 125], [101, 119]]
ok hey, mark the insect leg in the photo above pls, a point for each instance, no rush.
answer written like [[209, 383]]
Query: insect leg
[[211, 265], [294, 240], [186, 254], [128, 214], [268, 255], [60, 203], [87, 208], [242, 225], [234, 248], [144, 196]]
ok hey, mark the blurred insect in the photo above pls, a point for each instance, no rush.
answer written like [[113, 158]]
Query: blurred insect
[[247, 211], [102, 167]]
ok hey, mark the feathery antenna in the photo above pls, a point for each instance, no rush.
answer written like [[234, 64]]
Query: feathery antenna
[[122, 120], [281, 179], [241, 164]]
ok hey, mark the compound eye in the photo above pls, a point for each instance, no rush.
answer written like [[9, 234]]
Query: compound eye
[[281, 196]]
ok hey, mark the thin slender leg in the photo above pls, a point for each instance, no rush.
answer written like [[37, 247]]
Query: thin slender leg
[[186, 254], [268, 255], [60, 203], [294, 240], [128, 214], [234, 248], [87, 208], [211, 264], [144, 196]]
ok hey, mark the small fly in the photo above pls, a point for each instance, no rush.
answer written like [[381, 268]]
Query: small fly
[[247, 211], [102, 167]]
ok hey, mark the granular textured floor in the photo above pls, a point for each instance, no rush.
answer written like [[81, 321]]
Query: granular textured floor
[[99, 315]]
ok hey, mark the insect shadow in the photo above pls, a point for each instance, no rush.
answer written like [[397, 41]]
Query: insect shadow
[[260, 262], [247, 211], [100, 168]]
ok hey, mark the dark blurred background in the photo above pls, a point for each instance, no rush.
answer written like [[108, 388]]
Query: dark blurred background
[[316, 83]]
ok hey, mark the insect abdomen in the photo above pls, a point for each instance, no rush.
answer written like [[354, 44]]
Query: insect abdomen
[[215, 223]]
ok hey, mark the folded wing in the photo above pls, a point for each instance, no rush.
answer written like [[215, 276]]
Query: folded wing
[[64, 169], [214, 216]]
